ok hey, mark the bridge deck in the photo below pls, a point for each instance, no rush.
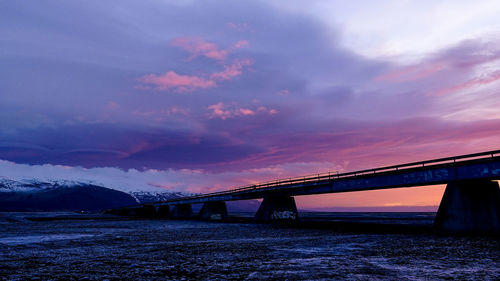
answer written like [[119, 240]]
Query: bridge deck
[[485, 165]]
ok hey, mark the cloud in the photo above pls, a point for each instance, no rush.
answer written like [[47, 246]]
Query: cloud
[[468, 63], [224, 111], [476, 82], [179, 83], [218, 111], [196, 46], [241, 142], [232, 70], [189, 83], [153, 180], [411, 73]]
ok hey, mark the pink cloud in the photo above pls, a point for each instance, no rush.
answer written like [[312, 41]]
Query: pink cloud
[[196, 46], [270, 111], [218, 111], [188, 83], [411, 73], [225, 111], [246, 111], [177, 82], [469, 84], [232, 70]]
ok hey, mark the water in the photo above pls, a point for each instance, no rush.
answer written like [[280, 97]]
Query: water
[[115, 249]]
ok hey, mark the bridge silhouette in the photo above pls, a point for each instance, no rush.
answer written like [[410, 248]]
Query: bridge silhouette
[[471, 202]]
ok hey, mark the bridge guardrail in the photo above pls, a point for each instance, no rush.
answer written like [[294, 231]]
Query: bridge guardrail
[[332, 176]]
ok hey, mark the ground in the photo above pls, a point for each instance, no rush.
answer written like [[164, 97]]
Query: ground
[[129, 249]]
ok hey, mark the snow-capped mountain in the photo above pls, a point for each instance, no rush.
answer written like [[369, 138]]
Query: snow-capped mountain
[[33, 194], [34, 185]]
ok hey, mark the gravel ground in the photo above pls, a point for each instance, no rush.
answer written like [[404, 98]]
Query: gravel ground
[[125, 249]]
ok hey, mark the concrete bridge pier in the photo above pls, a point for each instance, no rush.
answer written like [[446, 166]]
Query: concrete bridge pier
[[163, 211], [471, 206], [146, 211], [182, 211], [216, 210], [277, 208]]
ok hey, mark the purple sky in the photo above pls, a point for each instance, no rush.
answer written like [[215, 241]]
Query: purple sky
[[244, 88]]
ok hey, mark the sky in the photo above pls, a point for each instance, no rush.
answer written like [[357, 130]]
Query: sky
[[201, 96]]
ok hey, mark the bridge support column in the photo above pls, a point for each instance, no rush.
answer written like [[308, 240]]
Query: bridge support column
[[146, 211], [277, 208], [182, 211], [213, 211], [470, 207], [163, 211]]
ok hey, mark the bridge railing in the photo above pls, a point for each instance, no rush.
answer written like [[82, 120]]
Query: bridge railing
[[314, 178]]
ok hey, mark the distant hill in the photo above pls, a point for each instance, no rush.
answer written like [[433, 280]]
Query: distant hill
[[65, 198]]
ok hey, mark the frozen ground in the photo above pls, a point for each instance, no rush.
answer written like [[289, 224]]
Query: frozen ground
[[122, 249]]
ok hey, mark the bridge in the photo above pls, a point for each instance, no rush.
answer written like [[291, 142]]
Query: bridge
[[471, 201]]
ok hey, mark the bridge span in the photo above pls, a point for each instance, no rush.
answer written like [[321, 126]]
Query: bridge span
[[471, 201]]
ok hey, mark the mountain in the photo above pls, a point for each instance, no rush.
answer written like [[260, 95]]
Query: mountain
[[67, 198], [54, 195]]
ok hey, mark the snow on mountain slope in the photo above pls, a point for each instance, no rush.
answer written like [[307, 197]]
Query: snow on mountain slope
[[35, 185]]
